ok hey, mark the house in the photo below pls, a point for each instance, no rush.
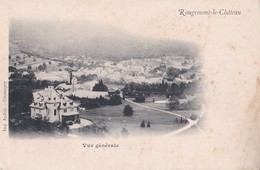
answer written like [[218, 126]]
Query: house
[[68, 89], [52, 106], [63, 87], [136, 70], [25, 73]]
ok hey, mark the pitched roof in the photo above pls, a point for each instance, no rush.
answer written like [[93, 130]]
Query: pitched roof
[[47, 95], [50, 95], [63, 86]]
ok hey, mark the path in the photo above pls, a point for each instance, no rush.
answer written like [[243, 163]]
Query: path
[[190, 124]]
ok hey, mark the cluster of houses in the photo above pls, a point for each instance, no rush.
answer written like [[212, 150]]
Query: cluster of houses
[[52, 104]]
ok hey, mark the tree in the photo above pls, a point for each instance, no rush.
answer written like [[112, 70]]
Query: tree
[[115, 100], [29, 67], [117, 92], [173, 103], [193, 117], [172, 72], [128, 110], [18, 58], [148, 125], [41, 68], [100, 86], [16, 75], [12, 69], [142, 124], [44, 65], [20, 97], [71, 76], [71, 64]]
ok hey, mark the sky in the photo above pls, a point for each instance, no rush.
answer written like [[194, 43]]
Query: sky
[[153, 19]]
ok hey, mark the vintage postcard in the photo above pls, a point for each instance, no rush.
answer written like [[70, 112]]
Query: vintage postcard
[[130, 85]]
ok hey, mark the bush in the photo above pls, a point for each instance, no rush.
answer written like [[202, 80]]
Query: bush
[[193, 117], [124, 132], [128, 110], [99, 129], [90, 103]]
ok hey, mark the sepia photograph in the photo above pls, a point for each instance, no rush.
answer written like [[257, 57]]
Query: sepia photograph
[[69, 78]]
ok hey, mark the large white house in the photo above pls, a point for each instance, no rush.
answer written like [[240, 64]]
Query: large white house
[[52, 106]]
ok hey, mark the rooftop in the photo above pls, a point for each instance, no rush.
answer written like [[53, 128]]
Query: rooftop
[[50, 95]]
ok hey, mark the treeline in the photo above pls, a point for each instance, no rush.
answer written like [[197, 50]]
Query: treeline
[[89, 103], [174, 104], [179, 90], [84, 78]]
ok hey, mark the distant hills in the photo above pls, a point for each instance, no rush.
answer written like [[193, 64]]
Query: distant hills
[[56, 38]]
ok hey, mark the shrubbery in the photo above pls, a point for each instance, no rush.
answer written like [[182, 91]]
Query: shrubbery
[[89, 103], [173, 103], [140, 99], [25, 124], [128, 110], [97, 129], [194, 104]]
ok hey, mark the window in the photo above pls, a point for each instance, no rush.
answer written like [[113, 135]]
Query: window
[[65, 110], [71, 109], [55, 112]]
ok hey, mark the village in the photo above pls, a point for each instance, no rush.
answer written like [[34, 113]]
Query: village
[[80, 92]]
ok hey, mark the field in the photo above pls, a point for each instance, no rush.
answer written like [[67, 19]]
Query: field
[[161, 123]]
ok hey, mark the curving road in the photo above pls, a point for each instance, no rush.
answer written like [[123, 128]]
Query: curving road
[[190, 124]]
